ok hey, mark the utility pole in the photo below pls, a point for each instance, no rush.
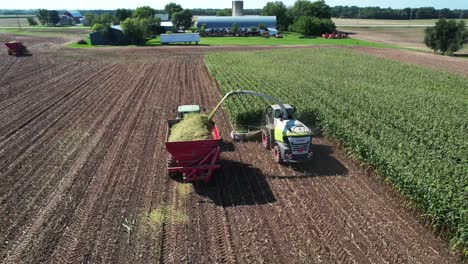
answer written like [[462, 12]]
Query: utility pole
[[358, 15], [411, 15], [17, 20]]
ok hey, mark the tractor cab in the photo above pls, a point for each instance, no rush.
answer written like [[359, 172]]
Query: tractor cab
[[273, 113], [187, 109]]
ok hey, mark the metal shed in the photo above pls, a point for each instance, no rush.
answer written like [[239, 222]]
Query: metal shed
[[244, 22], [115, 36]]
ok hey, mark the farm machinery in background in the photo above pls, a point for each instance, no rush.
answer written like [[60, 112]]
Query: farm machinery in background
[[289, 139], [17, 48], [336, 35]]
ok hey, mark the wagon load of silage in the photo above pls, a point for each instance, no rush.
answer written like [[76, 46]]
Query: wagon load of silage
[[191, 127]]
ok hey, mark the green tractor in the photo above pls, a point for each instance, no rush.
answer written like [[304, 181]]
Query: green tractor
[[289, 138], [183, 110]]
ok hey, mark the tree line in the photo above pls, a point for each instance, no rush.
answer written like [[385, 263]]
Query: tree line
[[390, 13], [336, 12]]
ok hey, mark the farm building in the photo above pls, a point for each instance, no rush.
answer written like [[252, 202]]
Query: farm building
[[163, 17], [243, 22], [167, 26], [75, 15], [114, 36]]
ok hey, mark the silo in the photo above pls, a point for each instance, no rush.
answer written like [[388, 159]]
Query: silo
[[237, 8]]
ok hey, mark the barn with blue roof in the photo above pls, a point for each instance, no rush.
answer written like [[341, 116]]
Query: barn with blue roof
[[75, 15], [243, 22]]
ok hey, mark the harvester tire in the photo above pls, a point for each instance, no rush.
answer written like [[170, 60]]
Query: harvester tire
[[277, 154], [266, 138]]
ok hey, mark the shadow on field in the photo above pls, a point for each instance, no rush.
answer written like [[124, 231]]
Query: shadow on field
[[322, 164], [237, 184]]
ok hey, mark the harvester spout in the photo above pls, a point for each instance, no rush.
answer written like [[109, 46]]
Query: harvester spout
[[283, 109]]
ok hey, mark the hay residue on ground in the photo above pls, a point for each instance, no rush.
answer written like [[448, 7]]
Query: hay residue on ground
[[192, 127]]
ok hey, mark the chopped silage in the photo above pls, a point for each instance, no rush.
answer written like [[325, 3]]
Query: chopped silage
[[191, 127]]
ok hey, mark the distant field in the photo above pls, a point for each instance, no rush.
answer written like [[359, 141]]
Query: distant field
[[406, 37], [47, 31], [13, 22], [14, 16], [386, 23]]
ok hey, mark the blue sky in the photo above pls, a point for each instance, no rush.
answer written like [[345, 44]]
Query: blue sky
[[113, 4]]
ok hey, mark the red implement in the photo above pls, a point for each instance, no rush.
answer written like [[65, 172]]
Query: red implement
[[195, 160], [16, 48]]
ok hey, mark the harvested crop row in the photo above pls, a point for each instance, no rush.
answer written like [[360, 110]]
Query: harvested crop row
[[407, 122]]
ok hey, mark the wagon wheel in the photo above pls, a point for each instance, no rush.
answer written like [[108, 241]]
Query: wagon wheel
[[277, 154], [171, 162], [266, 138]]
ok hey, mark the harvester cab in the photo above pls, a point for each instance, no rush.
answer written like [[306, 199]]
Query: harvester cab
[[183, 110], [289, 138]]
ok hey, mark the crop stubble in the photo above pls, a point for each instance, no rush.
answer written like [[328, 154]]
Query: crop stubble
[[82, 153]]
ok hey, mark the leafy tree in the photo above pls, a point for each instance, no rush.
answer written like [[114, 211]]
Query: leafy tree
[[225, 12], [312, 26], [32, 22], [253, 28], [320, 9], [43, 16], [234, 28], [203, 28], [182, 19], [262, 26], [121, 14], [193, 29], [426, 13], [136, 30], [317, 9], [97, 27], [172, 8], [53, 17], [89, 19], [279, 10], [446, 37], [69, 21], [105, 18], [144, 12]]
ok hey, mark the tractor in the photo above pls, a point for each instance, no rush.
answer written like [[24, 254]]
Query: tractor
[[289, 139], [183, 110]]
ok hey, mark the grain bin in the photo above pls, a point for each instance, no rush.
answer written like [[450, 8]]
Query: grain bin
[[237, 8]]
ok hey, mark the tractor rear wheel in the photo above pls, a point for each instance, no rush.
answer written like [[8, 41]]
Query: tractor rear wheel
[[277, 153], [266, 138]]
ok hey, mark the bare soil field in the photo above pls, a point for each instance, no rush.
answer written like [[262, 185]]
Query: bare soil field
[[406, 37], [13, 22], [385, 22], [433, 61], [83, 179]]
